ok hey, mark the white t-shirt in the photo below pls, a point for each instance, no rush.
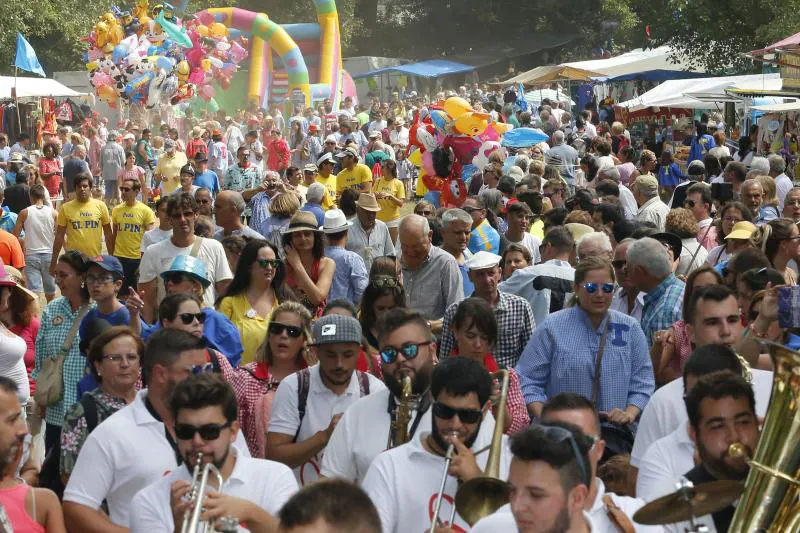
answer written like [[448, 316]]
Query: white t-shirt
[[665, 463], [666, 411], [125, 453], [268, 484], [532, 243], [321, 405], [158, 257], [40, 229], [153, 236], [361, 435], [629, 205], [404, 482]]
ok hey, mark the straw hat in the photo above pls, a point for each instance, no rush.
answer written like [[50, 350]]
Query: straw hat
[[11, 277], [302, 221], [368, 202]]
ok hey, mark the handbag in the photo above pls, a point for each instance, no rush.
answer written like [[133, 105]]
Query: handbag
[[50, 380]]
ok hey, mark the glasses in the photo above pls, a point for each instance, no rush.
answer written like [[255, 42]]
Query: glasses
[[205, 368], [185, 214], [244, 154], [274, 263], [591, 288], [276, 328], [207, 431], [117, 358], [688, 203], [793, 202], [558, 435], [467, 416], [380, 282], [100, 280], [188, 318], [410, 351]]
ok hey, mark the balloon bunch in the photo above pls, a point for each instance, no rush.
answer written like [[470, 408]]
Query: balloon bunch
[[445, 139], [149, 57]]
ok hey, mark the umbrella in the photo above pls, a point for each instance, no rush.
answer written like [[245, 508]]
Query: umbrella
[[523, 137]]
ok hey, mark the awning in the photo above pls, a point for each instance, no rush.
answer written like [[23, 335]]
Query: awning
[[433, 68], [34, 88], [635, 61], [550, 74], [535, 96], [655, 75], [778, 108], [789, 43]]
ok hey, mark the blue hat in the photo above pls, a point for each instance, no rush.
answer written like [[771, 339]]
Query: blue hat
[[108, 263], [186, 264]]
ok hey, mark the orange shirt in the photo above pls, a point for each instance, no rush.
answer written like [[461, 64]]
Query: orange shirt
[[11, 251]]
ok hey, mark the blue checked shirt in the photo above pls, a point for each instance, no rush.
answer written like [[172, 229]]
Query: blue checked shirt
[[350, 278], [560, 357], [57, 319], [662, 307]]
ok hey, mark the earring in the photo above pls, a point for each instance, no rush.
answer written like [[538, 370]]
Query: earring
[[83, 284]]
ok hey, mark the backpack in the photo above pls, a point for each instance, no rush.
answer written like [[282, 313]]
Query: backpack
[[303, 383]]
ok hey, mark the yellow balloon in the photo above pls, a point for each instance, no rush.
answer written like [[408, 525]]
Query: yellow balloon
[[202, 30], [455, 106], [217, 30], [182, 70], [416, 158], [206, 65]]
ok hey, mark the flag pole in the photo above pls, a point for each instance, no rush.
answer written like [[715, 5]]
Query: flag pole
[[16, 102]]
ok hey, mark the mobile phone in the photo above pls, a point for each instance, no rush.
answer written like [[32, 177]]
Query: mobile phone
[[722, 192], [789, 306]]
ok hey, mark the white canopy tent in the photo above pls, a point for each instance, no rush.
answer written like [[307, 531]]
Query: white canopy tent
[[700, 93], [35, 88], [535, 96], [638, 60]]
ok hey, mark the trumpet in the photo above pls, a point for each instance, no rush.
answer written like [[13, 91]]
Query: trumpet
[[197, 494]]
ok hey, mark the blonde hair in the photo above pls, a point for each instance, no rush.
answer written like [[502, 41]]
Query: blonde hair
[[617, 128], [284, 205], [768, 186], [681, 222], [264, 352], [536, 167]]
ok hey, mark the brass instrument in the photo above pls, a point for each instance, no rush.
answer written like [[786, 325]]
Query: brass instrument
[[451, 450], [197, 494], [398, 432], [769, 503], [482, 496]]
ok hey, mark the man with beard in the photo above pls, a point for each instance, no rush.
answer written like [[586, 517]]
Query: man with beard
[[407, 349], [722, 411], [137, 446], [22, 507], [309, 404], [404, 482], [204, 409]]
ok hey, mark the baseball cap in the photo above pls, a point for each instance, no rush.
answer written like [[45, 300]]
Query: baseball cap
[[327, 157], [336, 329], [169, 145], [348, 151], [132, 137], [330, 139], [187, 169], [108, 263], [201, 157], [696, 168], [310, 168], [647, 184]]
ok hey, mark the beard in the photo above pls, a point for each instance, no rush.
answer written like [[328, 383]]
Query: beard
[[190, 459], [719, 468], [561, 523], [10, 455], [438, 438], [420, 383]]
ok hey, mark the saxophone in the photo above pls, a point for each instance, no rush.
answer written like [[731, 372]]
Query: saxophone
[[398, 432]]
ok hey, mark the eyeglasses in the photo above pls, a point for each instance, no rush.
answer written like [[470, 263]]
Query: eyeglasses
[[188, 318], [410, 351], [205, 368], [274, 263], [792, 202], [207, 431], [688, 203], [471, 210], [100, 280], [380, 282], [558, 435], [276, 328], [591, 288], [619, 264], [117, 358], [467, 416]]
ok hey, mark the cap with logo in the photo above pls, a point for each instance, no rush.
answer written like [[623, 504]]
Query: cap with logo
[[108, 263], [336, 329]]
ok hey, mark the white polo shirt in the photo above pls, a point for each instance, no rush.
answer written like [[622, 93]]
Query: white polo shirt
[[665, 463], [125, 453], [268, 484], [404, 482], [361, 435], [666, 410], [321, 405], [502, 521]]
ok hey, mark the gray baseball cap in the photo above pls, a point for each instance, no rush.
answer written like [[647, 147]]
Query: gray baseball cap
[[336, 329]]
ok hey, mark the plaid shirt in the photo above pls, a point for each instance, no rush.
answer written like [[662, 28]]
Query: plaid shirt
[[662, 307], [57, 319], [515, 324], [251, 382]]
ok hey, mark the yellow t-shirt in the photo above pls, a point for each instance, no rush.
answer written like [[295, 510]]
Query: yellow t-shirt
[[537, 229], [252, 326], [353, 179], [329, 200], [170, 171], [130, 224], [390, 210], [84, 223]]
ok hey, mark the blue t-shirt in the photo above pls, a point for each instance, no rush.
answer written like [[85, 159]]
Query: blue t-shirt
[[209, 180], [317, 210]]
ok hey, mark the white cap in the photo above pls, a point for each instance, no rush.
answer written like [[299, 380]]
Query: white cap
[[483, 260], [330, 138]]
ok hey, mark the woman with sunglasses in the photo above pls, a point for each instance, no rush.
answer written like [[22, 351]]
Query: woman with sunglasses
[[115, 359], [308, 272], [732, 213], [257, 288], [780, 240], [282, 353], [384, 292], [563, 351], [475, 329]]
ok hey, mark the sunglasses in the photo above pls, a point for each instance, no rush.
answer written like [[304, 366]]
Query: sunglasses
[[381, 282], [205, 368], [471, 210], [274, 263], [467, 416], [591, 288], [188, 318], [410, 351], [558, 435], [207, 431], [276, 328]]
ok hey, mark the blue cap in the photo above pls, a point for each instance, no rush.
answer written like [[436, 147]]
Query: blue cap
[[108, 263], [186, 264]]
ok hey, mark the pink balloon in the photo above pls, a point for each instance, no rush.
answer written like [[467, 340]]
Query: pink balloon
[[206, 18], [101, 78], [464, 147], [427, 163], [490, 134], [207, 92]]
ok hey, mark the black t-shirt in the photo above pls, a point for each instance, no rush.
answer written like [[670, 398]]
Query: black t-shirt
[[722, 519], [16, 197]]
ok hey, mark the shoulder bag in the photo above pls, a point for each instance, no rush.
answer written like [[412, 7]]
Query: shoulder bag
[[50, 381]]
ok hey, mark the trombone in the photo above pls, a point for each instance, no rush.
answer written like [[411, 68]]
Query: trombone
[[197, 494]]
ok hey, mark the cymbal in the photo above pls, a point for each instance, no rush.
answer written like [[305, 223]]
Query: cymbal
[[706, 498]]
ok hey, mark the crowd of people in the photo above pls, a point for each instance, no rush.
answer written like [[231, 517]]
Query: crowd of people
[[281, 306]]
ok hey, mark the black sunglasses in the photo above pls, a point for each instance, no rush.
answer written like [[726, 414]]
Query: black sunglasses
[[410, 351], [558, 435], [188, 318], [467, 416], [276, 328], [207, 431]]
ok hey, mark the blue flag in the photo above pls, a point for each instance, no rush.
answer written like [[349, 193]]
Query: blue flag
[[26, 57]]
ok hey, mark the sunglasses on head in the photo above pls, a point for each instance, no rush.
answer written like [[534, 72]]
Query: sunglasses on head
[[274, 263], [380, 282], [276, 328], [467, 416], [558, 435], [591, 288], [409, 351], [207, 431], [188, 318], [205, 368]]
